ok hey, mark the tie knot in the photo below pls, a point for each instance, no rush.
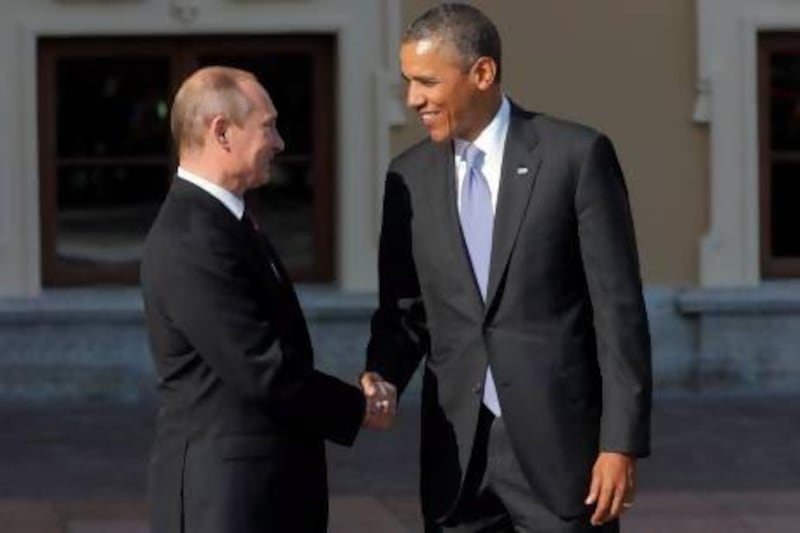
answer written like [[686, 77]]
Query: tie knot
[[250, 219], [473, 156]]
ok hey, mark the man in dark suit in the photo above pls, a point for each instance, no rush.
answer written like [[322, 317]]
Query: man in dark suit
[[508, 262], [239, 445]]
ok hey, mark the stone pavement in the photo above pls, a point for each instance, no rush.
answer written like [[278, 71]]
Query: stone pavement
[[720, 464]]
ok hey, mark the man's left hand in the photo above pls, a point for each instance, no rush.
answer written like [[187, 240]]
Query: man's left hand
[[612, 486]]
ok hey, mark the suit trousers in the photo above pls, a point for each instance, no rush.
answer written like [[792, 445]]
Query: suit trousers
[[497, 498]]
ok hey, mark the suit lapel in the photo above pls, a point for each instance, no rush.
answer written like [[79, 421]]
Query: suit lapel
[[521, 162], [269, 275], [252, 243]]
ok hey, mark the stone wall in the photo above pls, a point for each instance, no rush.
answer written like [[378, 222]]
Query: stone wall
[[91, 345]]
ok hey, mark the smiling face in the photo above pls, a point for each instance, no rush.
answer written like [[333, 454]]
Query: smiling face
[[256, 141], [450, 100]]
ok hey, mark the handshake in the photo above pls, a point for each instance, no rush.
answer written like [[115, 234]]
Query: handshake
[[381, 401]]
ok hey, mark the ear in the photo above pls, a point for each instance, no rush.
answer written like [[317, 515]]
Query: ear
[[220, 132], [484, 72]]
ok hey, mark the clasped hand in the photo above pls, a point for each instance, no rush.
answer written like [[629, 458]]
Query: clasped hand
[[381, 401]]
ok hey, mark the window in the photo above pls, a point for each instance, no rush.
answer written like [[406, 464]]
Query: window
[[107, 159], [779, 165]]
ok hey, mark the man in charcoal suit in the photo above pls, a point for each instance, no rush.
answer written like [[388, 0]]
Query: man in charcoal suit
[[240, 434], [508, 264]]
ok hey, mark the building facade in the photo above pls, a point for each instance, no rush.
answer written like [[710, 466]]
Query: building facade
[[700, 97]]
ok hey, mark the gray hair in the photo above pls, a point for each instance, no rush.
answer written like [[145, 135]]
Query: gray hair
[[207, 93], [467, 29]]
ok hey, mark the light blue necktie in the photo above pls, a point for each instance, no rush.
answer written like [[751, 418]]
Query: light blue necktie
[[477, 222]]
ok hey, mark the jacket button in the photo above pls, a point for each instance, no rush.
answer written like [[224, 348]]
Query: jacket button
[[477, 388]]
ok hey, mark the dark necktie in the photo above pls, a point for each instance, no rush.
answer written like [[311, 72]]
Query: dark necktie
[[253, 230], [291, 315]]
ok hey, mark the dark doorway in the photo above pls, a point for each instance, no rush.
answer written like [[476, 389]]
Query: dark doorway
[[107, 159], [779, 158]]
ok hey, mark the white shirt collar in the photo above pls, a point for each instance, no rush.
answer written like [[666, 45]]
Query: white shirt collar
[[492, 139], [234, 203]]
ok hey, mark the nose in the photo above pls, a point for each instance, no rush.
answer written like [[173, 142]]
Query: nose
[[279, 144], [414, 97]]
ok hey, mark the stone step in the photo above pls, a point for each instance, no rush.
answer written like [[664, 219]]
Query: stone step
[[91, 344]]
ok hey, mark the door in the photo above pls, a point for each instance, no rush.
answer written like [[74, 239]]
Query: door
[[106, 156]]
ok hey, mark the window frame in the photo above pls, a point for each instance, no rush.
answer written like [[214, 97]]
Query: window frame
[[183, 53], [770, 42]]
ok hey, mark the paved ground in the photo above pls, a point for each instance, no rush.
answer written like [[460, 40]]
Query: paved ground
[[720, 464]]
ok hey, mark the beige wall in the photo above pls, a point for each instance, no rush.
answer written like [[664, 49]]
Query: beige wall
[[626, 67]]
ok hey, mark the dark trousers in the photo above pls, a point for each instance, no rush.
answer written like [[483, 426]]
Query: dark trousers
[[497, 498]]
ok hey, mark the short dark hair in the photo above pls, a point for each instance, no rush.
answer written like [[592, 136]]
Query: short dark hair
[[464, 27]]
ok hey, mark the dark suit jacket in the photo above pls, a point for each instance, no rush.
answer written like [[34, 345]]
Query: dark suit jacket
[[564, 325], [239, 445]]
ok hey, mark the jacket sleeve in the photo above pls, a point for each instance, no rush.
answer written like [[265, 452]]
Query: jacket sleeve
[[399, 335], [611, 266], [209, 297]]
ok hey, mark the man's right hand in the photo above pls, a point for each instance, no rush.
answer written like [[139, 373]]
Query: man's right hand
[[381, 401]]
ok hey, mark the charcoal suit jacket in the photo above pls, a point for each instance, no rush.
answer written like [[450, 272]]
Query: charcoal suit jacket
[[244, 414], [563, 325]]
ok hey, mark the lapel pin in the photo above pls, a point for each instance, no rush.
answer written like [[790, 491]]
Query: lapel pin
[[522, 170]]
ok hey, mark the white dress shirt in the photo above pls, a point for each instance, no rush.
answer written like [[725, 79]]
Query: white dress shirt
[[234, 203], [492, 142]]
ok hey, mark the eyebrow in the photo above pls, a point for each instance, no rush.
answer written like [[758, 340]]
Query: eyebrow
[[420, 78]]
